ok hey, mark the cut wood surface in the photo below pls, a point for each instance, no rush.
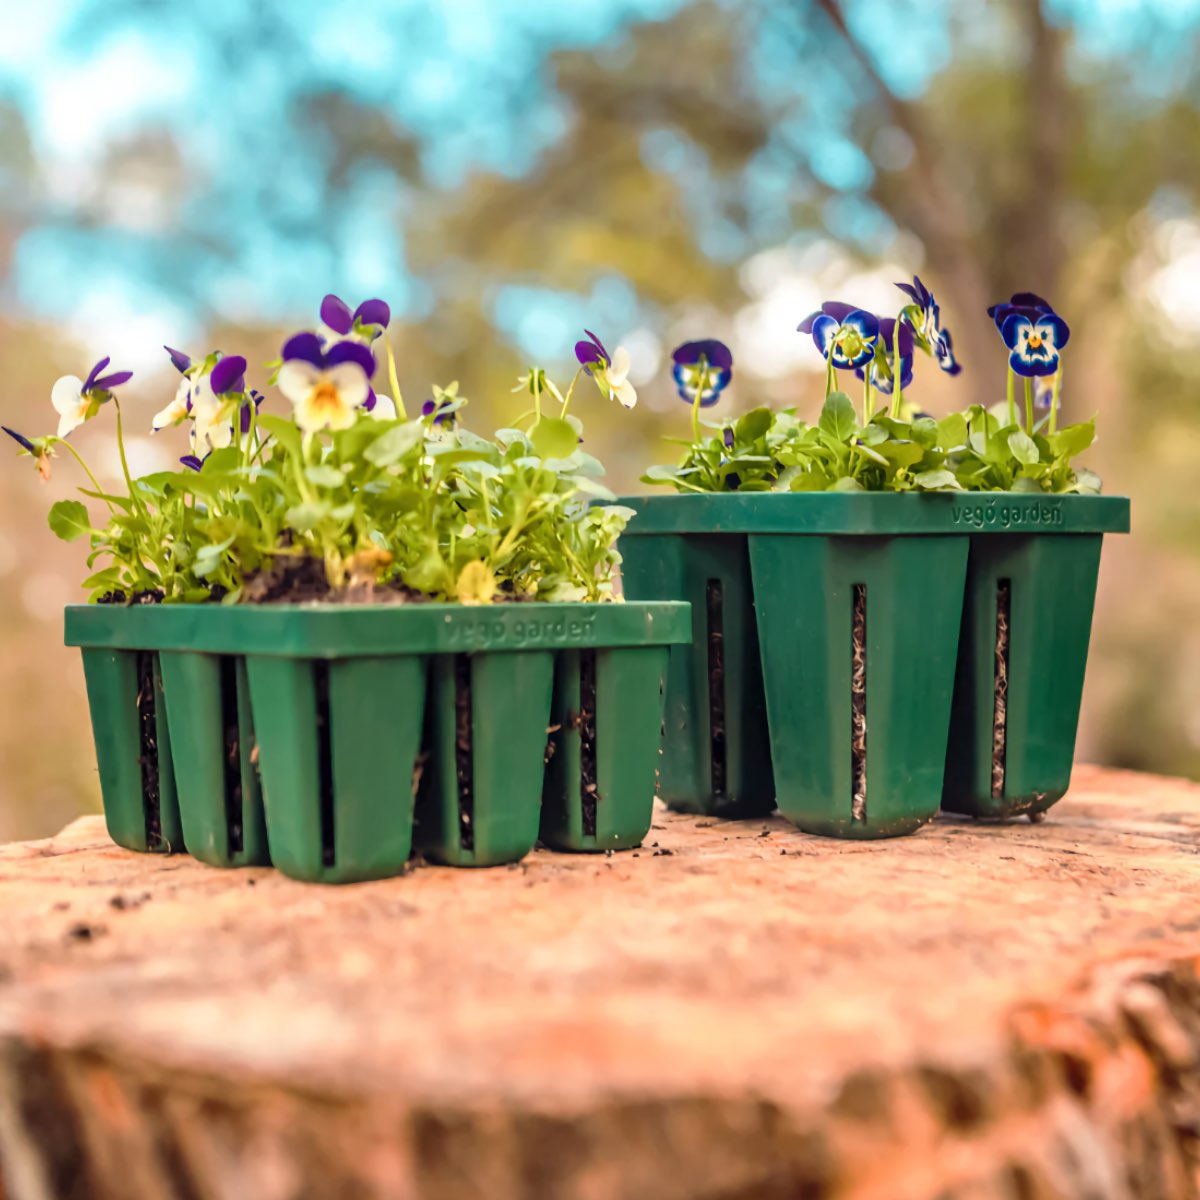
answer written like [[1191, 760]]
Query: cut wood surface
[[736, 1010]]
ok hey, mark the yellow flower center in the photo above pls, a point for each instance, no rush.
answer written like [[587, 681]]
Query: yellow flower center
[[326, 398], [1035, 341]]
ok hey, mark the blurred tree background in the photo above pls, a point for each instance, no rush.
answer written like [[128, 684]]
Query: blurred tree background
[[505, 172]]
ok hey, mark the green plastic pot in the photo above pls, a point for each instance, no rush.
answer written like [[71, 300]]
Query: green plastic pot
[[1031, 588], [353, 712], [606, 729], [716, 757], [133, 745]]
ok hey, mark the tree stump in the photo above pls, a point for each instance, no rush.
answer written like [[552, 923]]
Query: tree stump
[[736, 1010]]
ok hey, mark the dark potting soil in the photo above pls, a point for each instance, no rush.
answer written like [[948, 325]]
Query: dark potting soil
[[715, 606], [324, 761], [233, 755], [116, 596], [588, 784], [463, 761], [858, 705], [1000, 686], [148, 749]]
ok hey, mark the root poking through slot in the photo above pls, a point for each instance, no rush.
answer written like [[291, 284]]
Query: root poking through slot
[[147, 709], [588, 783], [233, 755], [325, 762], [715, 605], [1000, 683], [463, 763], [858, 705]]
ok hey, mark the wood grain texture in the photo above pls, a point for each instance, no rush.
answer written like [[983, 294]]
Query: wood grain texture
[[981, 1010]]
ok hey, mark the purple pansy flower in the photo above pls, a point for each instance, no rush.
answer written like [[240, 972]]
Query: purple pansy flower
[[592, 354], [845, 335], [215, 401], [326, 386], [371, 317], [193, 461], [702, 370], [925, 315], [77, 400], [1034, 343], [441, 411]]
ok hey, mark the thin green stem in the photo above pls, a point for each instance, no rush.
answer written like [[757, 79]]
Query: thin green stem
[[700, 390], [1029, 405], [1012, 404], [1054, 398], [57, 441], [137, 500], [571, 391], [830, 374], [394, 381], [868, 404], [897, 383]]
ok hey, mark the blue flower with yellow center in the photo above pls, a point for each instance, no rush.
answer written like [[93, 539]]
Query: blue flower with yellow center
[[845, 335], [1034, 343], [702, 371], [925, 316]]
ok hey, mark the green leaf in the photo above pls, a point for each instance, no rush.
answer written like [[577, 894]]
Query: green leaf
[[323, 475], [305, 517], [902, 454], [952, 431], [935, 480], [283, 431], [1023, 448], [925, 431], [1073, 439], [837, 417], [873, 435], [69, 520], [553, 437], [753, 425], [393, 445], [872, 454], [847, 484], [660, 473]]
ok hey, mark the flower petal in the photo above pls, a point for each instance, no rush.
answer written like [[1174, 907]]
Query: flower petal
[[1015, 328], [305, 347], [1054, 326], [180, 361], [712, 351], [838, 309], [90, 382], [229, 375], [619, 368], [823, 329], [297, 378], [867, 324], [191, 460], [336, 314], [19, 438], [352, 352], [351, 383], [372, 312], [66, 393], [111, 381], [384, 408], [625, 393]]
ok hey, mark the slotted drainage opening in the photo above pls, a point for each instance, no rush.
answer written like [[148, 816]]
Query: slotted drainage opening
[[463, 760], [858, 705], [324, 762], [1000, 688], [147, 708], [715, 605], [588, 783], [233, 755]]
